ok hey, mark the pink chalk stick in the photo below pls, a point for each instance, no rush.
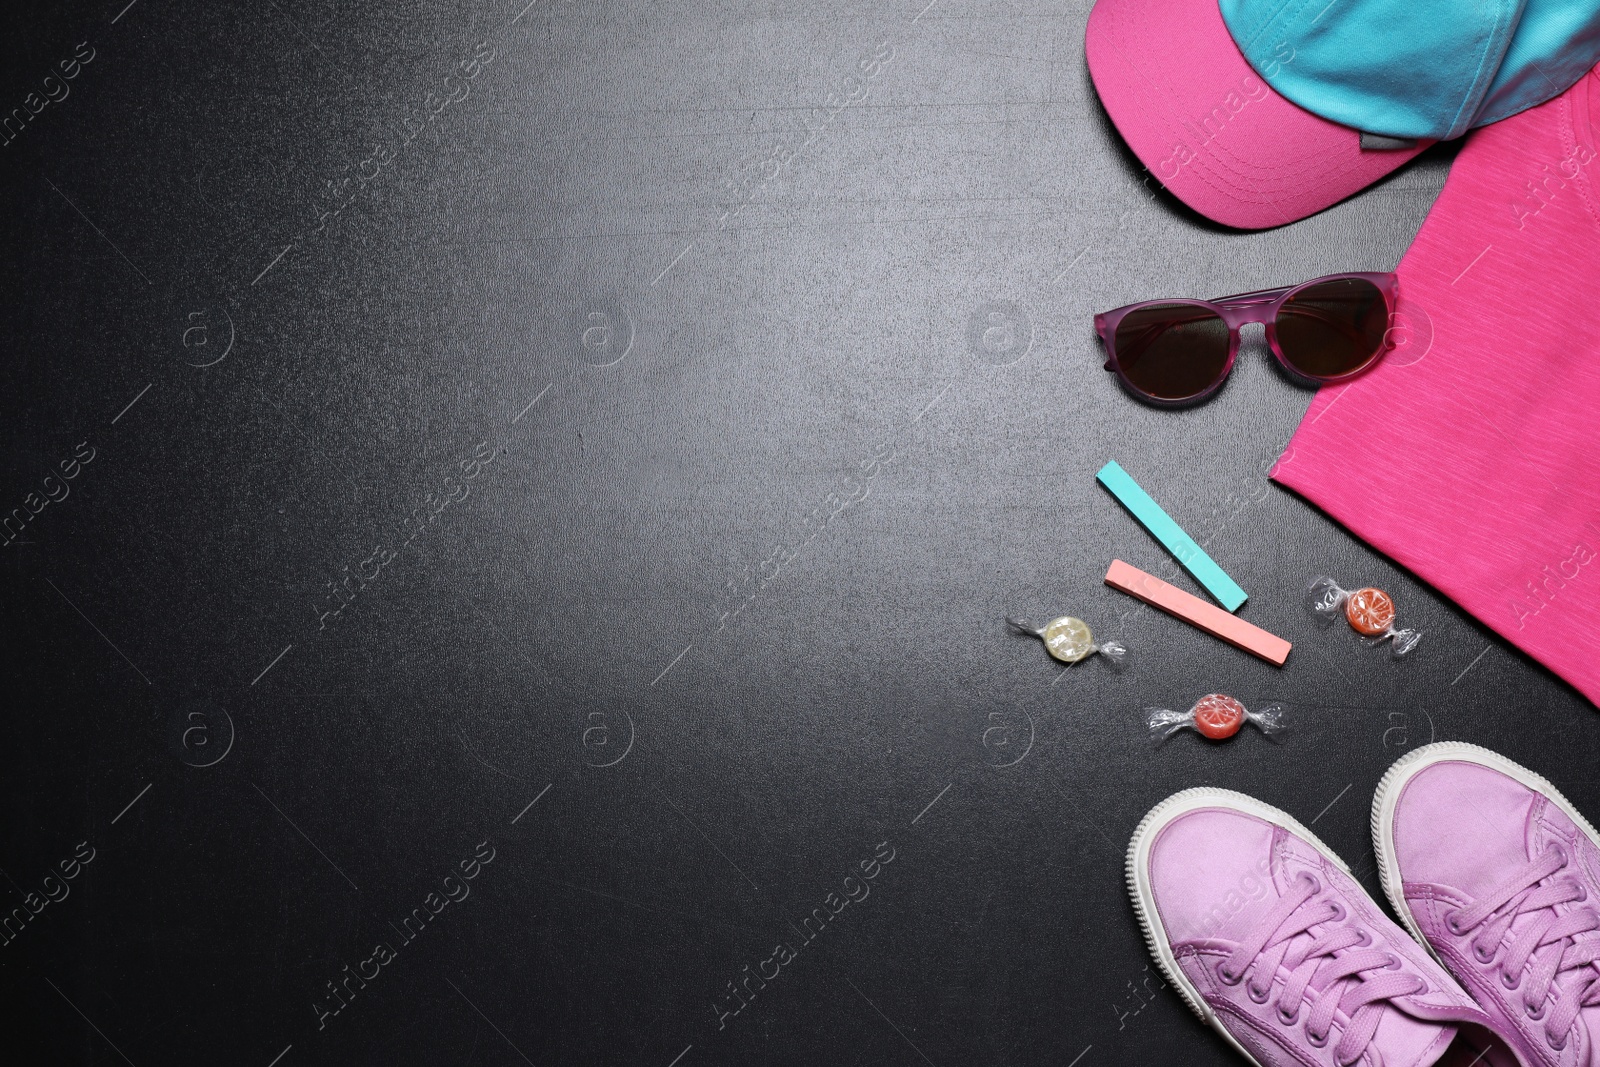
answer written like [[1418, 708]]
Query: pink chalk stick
[[1198, 613]]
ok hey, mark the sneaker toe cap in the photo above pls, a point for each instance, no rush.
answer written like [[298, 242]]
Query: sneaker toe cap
[[1210, 873], [1461, 824]]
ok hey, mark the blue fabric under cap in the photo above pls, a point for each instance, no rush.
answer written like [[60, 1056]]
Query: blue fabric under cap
[[1428, 69]]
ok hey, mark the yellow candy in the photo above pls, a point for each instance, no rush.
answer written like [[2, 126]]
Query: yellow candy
[[1068, 639]]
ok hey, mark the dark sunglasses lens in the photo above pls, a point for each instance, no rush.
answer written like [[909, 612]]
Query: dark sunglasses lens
[[1172, 351], [1333, 328]]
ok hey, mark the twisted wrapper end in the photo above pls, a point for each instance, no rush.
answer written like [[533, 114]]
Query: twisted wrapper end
[[1115, 653], [1269, 720], [1164, 722], [1022, 627], [1324, 598]]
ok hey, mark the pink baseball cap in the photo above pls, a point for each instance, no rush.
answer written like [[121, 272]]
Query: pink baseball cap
[[1210, 128]]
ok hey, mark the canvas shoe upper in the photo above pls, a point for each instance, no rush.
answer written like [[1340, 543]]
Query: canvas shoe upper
[[1271, 941], [1492, 868]]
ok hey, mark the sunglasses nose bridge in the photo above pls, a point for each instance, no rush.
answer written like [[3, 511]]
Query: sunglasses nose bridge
[[1239, 317]]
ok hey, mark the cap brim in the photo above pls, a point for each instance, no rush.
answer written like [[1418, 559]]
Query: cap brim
[[1209, 127]]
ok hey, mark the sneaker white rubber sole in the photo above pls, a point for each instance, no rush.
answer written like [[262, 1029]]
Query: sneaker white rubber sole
[[1144, 904], [1414, 763]]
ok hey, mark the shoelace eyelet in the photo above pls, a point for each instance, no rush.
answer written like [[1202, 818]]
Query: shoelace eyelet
[[1534, 1013], [1313, 1040], [1557, 1041], [1453, 924], [1583, 892], [1480, 955], [1225, 977], [1395, 962], [1339, 914], [1285, 1018], [1257, 997], [1509, 980]]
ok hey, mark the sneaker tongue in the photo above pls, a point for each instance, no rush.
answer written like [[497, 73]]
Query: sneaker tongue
[[1405, 1041]]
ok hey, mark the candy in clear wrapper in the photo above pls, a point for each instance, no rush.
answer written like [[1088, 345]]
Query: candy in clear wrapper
[[1369, 611], [1069, 640], [1214, 716]]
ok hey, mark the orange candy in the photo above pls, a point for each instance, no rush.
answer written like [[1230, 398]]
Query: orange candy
[[1218, 717], [1214, 717], [1370, 611]]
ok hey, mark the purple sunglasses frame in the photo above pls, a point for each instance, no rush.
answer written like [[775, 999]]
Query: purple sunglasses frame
[[1261, 306]]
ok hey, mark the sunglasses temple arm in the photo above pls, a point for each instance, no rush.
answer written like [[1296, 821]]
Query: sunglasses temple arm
[[1260, 296]]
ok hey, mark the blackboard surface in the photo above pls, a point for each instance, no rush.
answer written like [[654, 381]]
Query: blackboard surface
[[546, 486]]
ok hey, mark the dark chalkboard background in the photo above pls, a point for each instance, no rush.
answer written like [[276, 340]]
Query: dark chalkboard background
[[671, 399]]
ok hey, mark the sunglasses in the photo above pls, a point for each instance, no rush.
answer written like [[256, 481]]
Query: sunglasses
[[1173, 352]]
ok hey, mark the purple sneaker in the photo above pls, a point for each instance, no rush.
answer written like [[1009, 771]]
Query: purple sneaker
[[1271, 941], [1493, 870]]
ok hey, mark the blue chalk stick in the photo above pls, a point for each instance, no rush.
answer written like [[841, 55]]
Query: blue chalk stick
[[1194, 559]]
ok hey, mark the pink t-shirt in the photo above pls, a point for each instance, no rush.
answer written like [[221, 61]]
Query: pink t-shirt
[[1471, 454]]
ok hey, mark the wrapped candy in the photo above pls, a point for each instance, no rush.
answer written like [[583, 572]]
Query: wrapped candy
[[1369, 611], [1215, 716], [1069, 640]]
